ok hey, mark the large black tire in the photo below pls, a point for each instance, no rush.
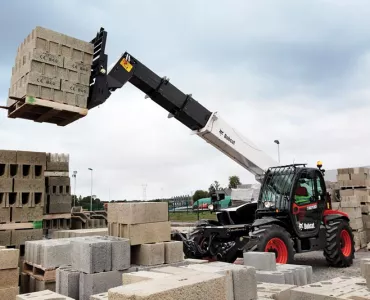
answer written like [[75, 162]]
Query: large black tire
[[340, 247], [275, 238]]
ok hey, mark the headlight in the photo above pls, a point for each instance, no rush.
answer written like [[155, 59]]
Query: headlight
[[268, 204], [210, 207]]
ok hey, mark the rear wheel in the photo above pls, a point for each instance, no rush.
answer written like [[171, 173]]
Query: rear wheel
[[340, 249], [276, 239]]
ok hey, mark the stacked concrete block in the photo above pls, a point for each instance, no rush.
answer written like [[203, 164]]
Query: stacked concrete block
[[355, 201], [59, 199], [173, 252], [68, 282], [79, 233], [270, 272], [274, 291], [345, 287], [9, 273], [148, 254], [84, 220], [187, 286], [42, 295], [52, 66]]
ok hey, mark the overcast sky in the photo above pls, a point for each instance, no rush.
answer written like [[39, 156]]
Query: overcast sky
[[297, 71]]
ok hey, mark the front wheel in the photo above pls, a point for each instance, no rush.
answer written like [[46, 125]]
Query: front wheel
[[340, 247], [276, 239]]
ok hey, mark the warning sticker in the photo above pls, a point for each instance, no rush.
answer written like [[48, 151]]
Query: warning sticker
[[126, 65]]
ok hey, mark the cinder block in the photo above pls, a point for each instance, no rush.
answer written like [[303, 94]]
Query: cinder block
[[146, 233], [24, 283], [29, 185], [32, 286], [9, 293], [31, 158], [4, 170], [8, 157], [20, 236], [270, 276], [41, 285], [172, 270], [6, 185], [121, 253], [68, 282], [91, 255], [138, 213], [274, 291], [9, 277], [264, 261], [56, 253], [179, 287], [59, 204], [91, 284], [173, 252], [133, 277], [148, 254], [42, 295], [102, 296], [26, 214], [243, 280], [9, 258], [4, 218], [300, 272]]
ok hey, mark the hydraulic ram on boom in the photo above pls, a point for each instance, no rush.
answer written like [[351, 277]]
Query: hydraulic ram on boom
[[183, 107]]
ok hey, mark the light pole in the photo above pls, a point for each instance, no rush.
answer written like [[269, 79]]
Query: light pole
[[91, 188], [278, 146], [75, 177]]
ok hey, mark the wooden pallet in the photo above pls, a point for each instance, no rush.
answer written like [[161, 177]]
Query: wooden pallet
[[39, 272], [40, 110]]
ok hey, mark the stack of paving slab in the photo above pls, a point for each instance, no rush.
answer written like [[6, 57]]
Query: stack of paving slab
[[147, 227], [22, 192], [355, 201], [52, 66], [9, 273], [267, 270]]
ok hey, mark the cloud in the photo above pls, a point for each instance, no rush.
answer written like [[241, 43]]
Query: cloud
[[297, 72]]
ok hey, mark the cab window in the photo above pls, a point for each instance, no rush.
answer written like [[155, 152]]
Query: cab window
[[305, 190]]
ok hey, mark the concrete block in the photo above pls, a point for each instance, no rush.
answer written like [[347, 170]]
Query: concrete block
[[31, 158], [29, 185], [57, 181], [55, 254], [121, 253], [179, 287], [91, 284], [91, 255], [102, 296], [26, 214], [172, 270], [4, 170], [270, 276], [24, 283], [4, 218], [138, 213], [9, 258], [43, 295], [300, 272], [57, 166], [274, 291], [32, 286], [68, 282], [146, 233], [9, 293], [148, 254], [20, 236], [363, 261], [243, 280], [133, 277], [173, 252], [8, 157], [6, 185], [9, 277], [41, 285], [265, 261], [195, 261]]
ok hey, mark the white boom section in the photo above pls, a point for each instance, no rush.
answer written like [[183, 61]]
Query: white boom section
[[229, 141]]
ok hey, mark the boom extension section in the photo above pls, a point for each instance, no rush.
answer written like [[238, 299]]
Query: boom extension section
[[182, 107]]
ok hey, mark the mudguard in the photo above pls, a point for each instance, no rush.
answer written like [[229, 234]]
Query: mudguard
[[268, 221], [330, 215]]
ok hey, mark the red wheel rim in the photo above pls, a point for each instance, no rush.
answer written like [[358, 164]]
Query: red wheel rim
[[281, 251], [346, 244]]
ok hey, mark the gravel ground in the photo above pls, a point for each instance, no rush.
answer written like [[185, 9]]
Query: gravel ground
[[321, 271]]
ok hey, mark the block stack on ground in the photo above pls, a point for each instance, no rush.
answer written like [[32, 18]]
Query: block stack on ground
[[147, 227], [9, 273], [52, 66], [354, 192], [88, 219], [22, 192], [58, 193]]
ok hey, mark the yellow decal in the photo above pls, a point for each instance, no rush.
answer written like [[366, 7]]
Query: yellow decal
[[126, 65]]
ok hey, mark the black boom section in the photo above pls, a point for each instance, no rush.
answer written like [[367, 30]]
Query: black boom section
[[183, 107]]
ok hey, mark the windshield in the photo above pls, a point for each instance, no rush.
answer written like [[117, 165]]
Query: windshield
[[276, 189]]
